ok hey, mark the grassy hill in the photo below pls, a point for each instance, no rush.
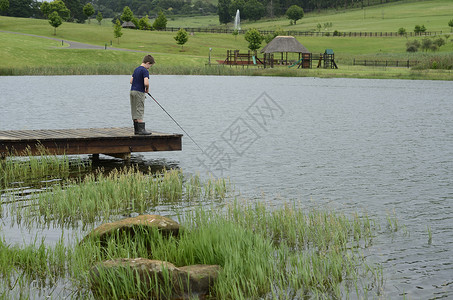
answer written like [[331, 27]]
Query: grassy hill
[[24, 54]]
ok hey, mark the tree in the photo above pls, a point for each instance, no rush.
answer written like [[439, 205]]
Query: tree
[[4, 6], [45, 9], [254, 10], [57, 6], [223, 9], [76, 10], [117, 30], [427, 44], [160, 22], [22, 8], [99, 17], [88, 10], [254, 38], [450, 23], [181, 37], [235, 33], [143, 23], [402, 31], [235, 5], [412, 46], [127, 14], [295, 13], [55, 20], [419, 29]]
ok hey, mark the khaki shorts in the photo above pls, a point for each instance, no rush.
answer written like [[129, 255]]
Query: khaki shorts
[[137, 105]]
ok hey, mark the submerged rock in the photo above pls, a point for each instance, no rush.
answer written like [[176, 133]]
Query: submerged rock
[[152, 279], [130, 226]]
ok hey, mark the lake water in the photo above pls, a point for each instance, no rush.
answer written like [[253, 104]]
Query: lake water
[[380, 146]]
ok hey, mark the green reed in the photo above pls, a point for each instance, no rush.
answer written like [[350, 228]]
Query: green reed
[[271, 254], [38, 168], [99, 197]]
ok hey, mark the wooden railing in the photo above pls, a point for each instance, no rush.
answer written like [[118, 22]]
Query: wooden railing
[[385, 63], [307, 33]]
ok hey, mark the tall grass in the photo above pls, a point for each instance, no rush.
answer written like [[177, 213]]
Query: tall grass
[[44, 166], [99, 197], [268, 254]]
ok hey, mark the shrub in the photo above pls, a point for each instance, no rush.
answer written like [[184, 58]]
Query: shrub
[[419, 29], [412, 46], [439, 42], [402, 31]]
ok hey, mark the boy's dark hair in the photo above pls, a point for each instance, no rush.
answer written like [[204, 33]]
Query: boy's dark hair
[[148, 58]]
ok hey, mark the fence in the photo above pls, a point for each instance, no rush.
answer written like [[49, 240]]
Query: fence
[[308, 33], [385, 63]]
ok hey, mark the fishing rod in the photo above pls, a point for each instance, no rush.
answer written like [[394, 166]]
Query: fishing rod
[[175, 122]]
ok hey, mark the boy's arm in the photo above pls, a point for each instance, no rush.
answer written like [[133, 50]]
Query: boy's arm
[[132, 78], [146, 82]]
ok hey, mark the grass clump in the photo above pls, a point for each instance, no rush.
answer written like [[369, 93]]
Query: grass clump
[[45, 166], [268, 254], [263, 254], [99, 197]]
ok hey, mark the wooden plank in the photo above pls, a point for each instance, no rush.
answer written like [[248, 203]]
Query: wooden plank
[[87, 141]]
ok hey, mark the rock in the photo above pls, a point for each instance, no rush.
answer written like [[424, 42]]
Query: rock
[[131, 225], [157, 279]]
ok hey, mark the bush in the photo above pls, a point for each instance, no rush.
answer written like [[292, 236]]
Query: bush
[[412, 46], [419, 29], [402, 31], [336, 33], [438, 61], [439, 42]]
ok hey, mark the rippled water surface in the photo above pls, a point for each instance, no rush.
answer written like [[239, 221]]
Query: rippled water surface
[[380, 146]]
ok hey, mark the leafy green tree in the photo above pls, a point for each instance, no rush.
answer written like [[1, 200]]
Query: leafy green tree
[[76, 10], [223, 9], [254, 38], [427, 44], [55, 20], [254, 10], [235, 33], [160, 22], [57, 6], [419, 29], [402, 31], [295, 13], [117, 30], [99, 17], [22, 8], [412, 46], [450, 23], [144, 24], [181, 37], [127, 14], [45, 8], [88, 10], [235, 5], [4, 6]]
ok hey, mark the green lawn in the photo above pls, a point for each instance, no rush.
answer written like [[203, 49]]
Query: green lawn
[[34, 53]]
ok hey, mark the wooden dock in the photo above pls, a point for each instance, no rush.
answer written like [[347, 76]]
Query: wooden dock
[[116, 142]]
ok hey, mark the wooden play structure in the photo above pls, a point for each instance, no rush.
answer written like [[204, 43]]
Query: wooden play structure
[[282, 51], [234, 57]]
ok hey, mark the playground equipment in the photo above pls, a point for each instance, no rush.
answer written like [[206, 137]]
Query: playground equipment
[[304, 61]]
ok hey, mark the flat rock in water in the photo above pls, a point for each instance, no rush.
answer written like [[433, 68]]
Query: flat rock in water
[[179, 283], [165, 225]]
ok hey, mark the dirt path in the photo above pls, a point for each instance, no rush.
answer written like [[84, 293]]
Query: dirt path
[[74, 45]]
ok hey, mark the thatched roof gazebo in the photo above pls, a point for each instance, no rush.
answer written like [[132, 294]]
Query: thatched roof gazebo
[[285, 44], [128, 24]]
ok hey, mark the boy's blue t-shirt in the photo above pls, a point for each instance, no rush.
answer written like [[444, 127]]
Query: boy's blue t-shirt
[[138, 79]]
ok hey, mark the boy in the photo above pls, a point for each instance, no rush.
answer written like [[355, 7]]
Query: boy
[[139, 86]]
